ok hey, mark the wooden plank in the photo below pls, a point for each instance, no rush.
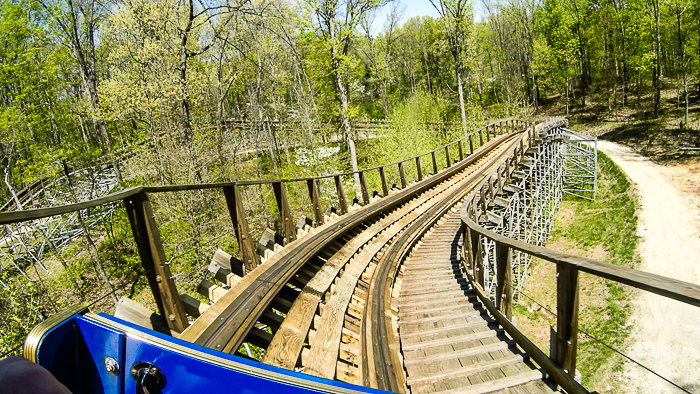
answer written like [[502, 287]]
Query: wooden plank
[[133, 312], [193, 306], [290, 232], [567, 318], [347, 373], [447, 373], [504, 288], [150, 246], [210, 290], [229, 278], [315, 202], [240, 225], [382, 176], [342, 202]]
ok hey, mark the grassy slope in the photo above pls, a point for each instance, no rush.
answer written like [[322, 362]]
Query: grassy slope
[[603, 229]]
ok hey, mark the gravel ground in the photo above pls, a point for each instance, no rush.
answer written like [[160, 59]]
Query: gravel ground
[[666, 333]]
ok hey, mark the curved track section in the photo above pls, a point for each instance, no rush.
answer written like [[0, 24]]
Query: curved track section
[[331, 303]]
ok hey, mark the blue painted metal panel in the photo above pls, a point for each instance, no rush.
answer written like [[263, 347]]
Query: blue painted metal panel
[[74, 352]]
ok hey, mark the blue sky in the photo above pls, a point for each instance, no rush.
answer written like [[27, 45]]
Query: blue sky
[[412, 8]]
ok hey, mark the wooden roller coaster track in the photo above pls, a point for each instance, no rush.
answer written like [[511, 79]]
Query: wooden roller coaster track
[[390, 293]]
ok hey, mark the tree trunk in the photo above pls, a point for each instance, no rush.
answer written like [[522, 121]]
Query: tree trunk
[[92, 248], [427, 67], [657, 66], [458, 75], [342, 94], [9, 182], [186, 123], [535, 92], [85, 55]]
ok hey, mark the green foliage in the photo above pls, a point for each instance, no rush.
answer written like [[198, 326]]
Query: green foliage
[[418, 125], [21, 305]]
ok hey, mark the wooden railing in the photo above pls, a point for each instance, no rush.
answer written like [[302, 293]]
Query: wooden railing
[[150, 246], [562, 365]]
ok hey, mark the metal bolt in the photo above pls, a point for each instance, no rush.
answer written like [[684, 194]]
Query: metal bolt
[[568, 343], [159, 279], [171, 317], [112, 365]]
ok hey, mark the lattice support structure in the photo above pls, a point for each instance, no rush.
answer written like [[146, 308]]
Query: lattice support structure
[[565, 162], [25, 243]]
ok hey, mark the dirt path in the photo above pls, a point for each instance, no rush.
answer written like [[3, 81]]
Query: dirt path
[[666, 333]]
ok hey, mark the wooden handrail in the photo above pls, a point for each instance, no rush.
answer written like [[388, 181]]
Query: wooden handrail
[[686, 292], [40, 213]]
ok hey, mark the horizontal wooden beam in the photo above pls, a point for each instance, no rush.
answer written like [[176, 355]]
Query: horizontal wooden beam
[[686, 292]]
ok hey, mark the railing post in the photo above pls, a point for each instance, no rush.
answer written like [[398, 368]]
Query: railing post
[[504, 290], [240, 225], [467, 245], [447, 156], [567, 318], [435, 170], [481, 138], [507, 170], [499, 175], [477, 258], [315, 202], [471, 144], [382, 176], [342, 203], [363, 188], [418, 169], [488, 135], [402, 175], [153, 261], [461, 152], [290, 233]]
